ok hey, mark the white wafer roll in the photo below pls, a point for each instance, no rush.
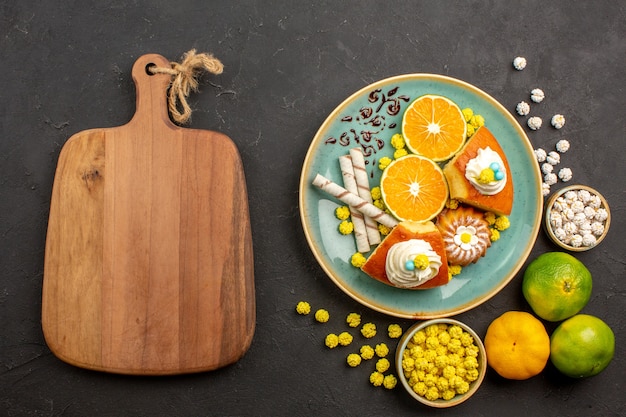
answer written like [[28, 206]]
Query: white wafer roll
[[358, 220], [363, 188], [354, 200]]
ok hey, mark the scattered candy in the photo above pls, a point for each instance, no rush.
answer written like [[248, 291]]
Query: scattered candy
[[303, 308], [353, 360], [344, 338], [367, 352], [565, 174], [382, 365], [322, 315], [553, 158], [377, 378], [540, 154], [537, 95], [395, 331], [390, 381], [519, 63], [368, 330], [331, 341], [547, 168], [562, 146], [550, 178], [534, 122], [353, 319], [381, 350], [558, 121], [522, 108]]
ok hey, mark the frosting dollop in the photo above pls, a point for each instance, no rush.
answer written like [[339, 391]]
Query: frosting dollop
[[476, 168], [405, 264]]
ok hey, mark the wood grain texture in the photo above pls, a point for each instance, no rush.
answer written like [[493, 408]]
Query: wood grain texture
[[149, 263]]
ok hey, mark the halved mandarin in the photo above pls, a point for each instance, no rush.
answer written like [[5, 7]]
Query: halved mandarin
[[433, 126], [414, 188]]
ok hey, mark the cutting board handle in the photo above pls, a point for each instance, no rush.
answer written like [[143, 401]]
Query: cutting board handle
[[151, 91]]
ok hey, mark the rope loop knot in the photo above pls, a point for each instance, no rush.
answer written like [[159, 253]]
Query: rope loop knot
[[185, 79]]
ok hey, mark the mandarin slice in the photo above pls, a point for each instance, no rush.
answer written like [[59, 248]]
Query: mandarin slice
[[433, 126], [414, 188]]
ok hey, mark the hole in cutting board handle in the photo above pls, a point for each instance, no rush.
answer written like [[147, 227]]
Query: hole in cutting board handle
[[148, 66]]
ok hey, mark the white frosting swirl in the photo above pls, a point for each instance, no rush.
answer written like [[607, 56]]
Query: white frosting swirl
[[482, 161], [396, 263]]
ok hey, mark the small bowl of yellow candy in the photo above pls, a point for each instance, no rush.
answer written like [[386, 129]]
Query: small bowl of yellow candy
[[441, 362]]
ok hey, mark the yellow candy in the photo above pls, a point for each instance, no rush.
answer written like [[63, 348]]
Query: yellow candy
[[303, 308], [322, 315], [389, 381], [397, 141], [331, 341], [353, 319], [353, 360], [367, 352], [358, 260], [395, 331], [368, 330], [345, 338]]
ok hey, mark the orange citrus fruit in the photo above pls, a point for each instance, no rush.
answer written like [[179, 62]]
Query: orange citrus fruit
[[414, 188], [582, 346], [556, 285], [434, 126], [517, 345]]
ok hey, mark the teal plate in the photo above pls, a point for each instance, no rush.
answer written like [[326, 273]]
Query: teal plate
[[368, 118]]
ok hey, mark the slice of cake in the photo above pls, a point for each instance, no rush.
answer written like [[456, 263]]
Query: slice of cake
[[412, 256], [480, 176]]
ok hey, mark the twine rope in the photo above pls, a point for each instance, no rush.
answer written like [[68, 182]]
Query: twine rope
[[185, 79]]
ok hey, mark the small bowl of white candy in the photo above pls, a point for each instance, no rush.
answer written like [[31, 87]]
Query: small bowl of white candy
[[577, 218]]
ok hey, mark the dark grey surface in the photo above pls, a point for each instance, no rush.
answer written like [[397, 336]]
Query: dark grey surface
[[67, 68]]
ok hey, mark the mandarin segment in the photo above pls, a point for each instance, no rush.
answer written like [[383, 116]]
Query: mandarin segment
[[434, 126], [414, 188]]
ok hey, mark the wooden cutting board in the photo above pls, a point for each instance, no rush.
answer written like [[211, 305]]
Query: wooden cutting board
[[148, 263]]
